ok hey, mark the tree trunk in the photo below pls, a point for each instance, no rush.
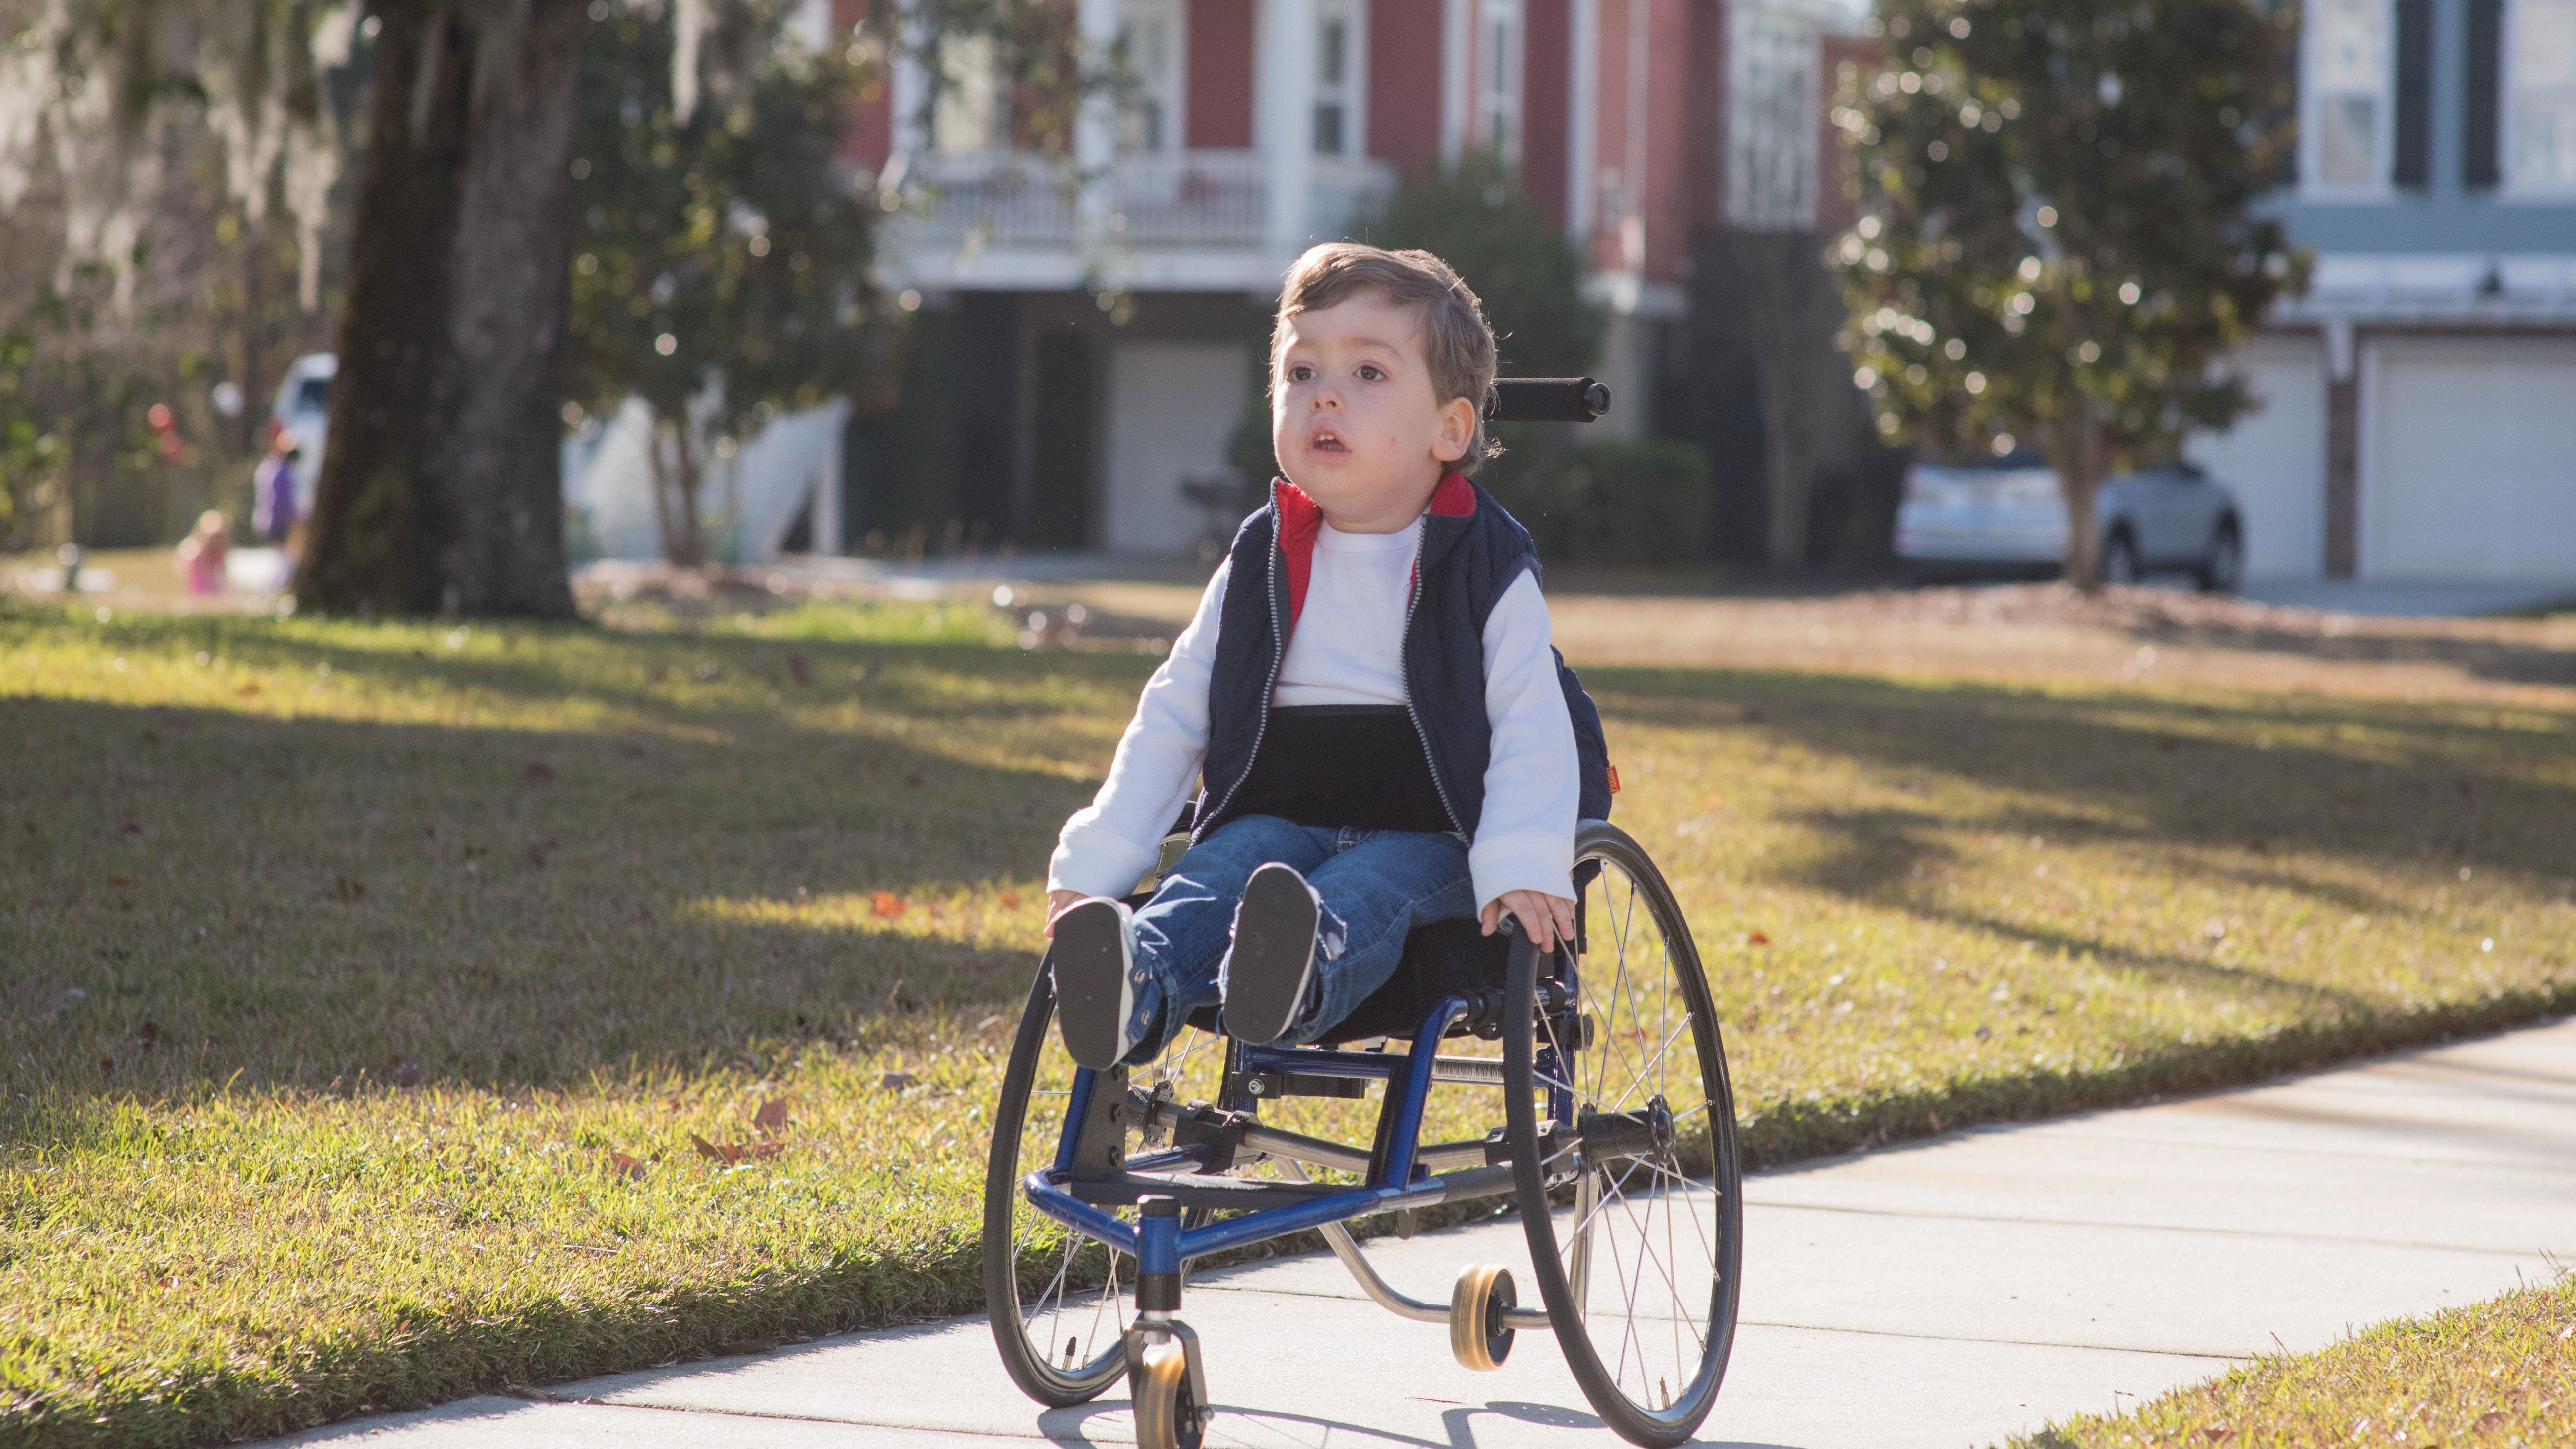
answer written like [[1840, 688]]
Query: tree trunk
[[1790, 315], [2076, 446], [676, 478], [442, 485]]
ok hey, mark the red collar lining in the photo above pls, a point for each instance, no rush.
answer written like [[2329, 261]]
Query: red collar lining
[[1300, 520]]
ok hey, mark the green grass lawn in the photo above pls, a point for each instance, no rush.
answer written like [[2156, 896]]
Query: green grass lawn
[[343, 961], [2501, 1373]]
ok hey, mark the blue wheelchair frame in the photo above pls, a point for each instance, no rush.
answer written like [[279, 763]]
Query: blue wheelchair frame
[[1397, 1180]]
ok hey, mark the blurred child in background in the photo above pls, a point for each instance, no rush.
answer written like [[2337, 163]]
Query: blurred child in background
[[203, 553]]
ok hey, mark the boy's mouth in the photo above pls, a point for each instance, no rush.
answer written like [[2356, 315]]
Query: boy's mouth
[[1325, 440]]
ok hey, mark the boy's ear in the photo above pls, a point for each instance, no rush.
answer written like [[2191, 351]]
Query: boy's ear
[[1457, 430]]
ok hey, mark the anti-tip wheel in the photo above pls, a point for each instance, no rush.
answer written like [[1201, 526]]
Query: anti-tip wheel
[[1477, 1334], [1167, 1417]]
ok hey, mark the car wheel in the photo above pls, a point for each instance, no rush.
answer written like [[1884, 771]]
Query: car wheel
[[2119, 559], [2222, 569]]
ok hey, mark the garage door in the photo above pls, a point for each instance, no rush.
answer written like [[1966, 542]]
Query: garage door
[[2469, 460], [1172, 408], [2274, 459]]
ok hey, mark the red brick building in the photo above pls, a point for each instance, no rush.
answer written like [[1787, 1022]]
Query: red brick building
[[1097, 341]]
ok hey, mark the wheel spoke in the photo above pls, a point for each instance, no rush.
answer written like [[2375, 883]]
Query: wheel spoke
[[1641, 1005]]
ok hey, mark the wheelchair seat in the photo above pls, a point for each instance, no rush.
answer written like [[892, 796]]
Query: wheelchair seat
[[1445, 958]]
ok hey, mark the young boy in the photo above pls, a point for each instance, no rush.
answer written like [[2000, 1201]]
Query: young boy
[[1385, 734]]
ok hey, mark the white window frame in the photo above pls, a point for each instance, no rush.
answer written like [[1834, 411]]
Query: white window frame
[[1502, 33], [2383, 141], [1774, 114], [1171, 97], [970, 117], [2508, 98], [1351, 92]]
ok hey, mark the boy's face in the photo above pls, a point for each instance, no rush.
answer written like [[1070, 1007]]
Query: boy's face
[[1354, 418]]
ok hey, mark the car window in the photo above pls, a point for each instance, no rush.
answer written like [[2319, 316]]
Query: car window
[[314, 395]]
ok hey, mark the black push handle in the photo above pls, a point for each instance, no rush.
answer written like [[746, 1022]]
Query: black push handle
[[1546, 400]]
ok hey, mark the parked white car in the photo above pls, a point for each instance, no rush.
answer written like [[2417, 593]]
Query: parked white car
[[2010, 517], [304, 410]]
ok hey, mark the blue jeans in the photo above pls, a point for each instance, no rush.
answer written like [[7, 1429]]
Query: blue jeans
[[1376, 885]]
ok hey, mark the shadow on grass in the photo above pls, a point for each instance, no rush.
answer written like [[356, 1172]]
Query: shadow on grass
[[540, 666], [189, 895], [2168, 771], [2501, 660]]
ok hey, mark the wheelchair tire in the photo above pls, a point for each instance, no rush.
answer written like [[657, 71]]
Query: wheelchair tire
[[1636, 1235], [1060, 1304]]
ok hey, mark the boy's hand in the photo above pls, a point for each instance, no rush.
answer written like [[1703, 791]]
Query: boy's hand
[[1543, 918], [1059, 902]]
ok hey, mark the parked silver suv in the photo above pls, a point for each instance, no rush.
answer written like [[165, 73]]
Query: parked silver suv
[[2009, 517]]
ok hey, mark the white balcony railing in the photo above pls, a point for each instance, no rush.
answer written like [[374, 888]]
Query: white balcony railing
[[1206, 199]]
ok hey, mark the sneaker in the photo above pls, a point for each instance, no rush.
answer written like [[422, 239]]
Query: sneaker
[[1095, 985], [1271, 970]]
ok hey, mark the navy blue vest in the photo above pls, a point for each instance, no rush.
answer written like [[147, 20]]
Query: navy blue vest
[[1471, 552]]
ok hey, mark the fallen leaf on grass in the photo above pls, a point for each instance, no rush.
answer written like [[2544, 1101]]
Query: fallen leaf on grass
[[537, 853], [771, 1117], [626, 1168], [404, 1072], [731, 1153], [897, 1081], [889, 905], [799, 670], [1757, 938], [118, 880], [129, 828], [538, 772], [345, 889], [1011, 900], [147, 1034], [107, 1066]]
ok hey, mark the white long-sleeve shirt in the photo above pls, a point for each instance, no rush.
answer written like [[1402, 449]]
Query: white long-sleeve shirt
[[1347, 648]]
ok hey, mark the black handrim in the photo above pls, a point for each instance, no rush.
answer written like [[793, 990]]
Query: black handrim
[[1670, 1216]]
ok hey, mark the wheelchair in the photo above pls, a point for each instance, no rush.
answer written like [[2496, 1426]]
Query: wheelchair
[[1615, 1144]]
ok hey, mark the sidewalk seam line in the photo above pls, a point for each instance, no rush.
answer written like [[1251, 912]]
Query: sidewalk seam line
[[2144, 1228], [1040, 1436]]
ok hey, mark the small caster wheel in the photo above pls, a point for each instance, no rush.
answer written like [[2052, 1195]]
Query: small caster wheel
[[1476, 1332], [1167, 1415]]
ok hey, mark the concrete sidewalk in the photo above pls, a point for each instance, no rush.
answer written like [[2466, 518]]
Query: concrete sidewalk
[[1944, 1294]]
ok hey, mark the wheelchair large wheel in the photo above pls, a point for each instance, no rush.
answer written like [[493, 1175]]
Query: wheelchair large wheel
[[1061, 1303], [1622, 1130]]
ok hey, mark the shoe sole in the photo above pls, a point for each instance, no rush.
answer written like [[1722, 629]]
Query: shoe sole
[[1274, 955], [1093, 999]]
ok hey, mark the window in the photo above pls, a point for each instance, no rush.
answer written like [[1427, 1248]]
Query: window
[[1149, 32], [1773, 81], [2348, 111], [1498, 77], [968, 117], [2540, 115], [1341, 38]]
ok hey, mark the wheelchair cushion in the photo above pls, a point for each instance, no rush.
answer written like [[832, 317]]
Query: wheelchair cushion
[[1445, 958]]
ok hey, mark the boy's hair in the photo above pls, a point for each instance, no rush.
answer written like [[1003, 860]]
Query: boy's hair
[[1457, 342]]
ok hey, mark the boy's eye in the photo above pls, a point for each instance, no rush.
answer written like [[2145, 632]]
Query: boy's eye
[[1300, 372], [1371, 372]]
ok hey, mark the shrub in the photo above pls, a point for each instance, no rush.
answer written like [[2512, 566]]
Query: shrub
[[1615, 500]]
